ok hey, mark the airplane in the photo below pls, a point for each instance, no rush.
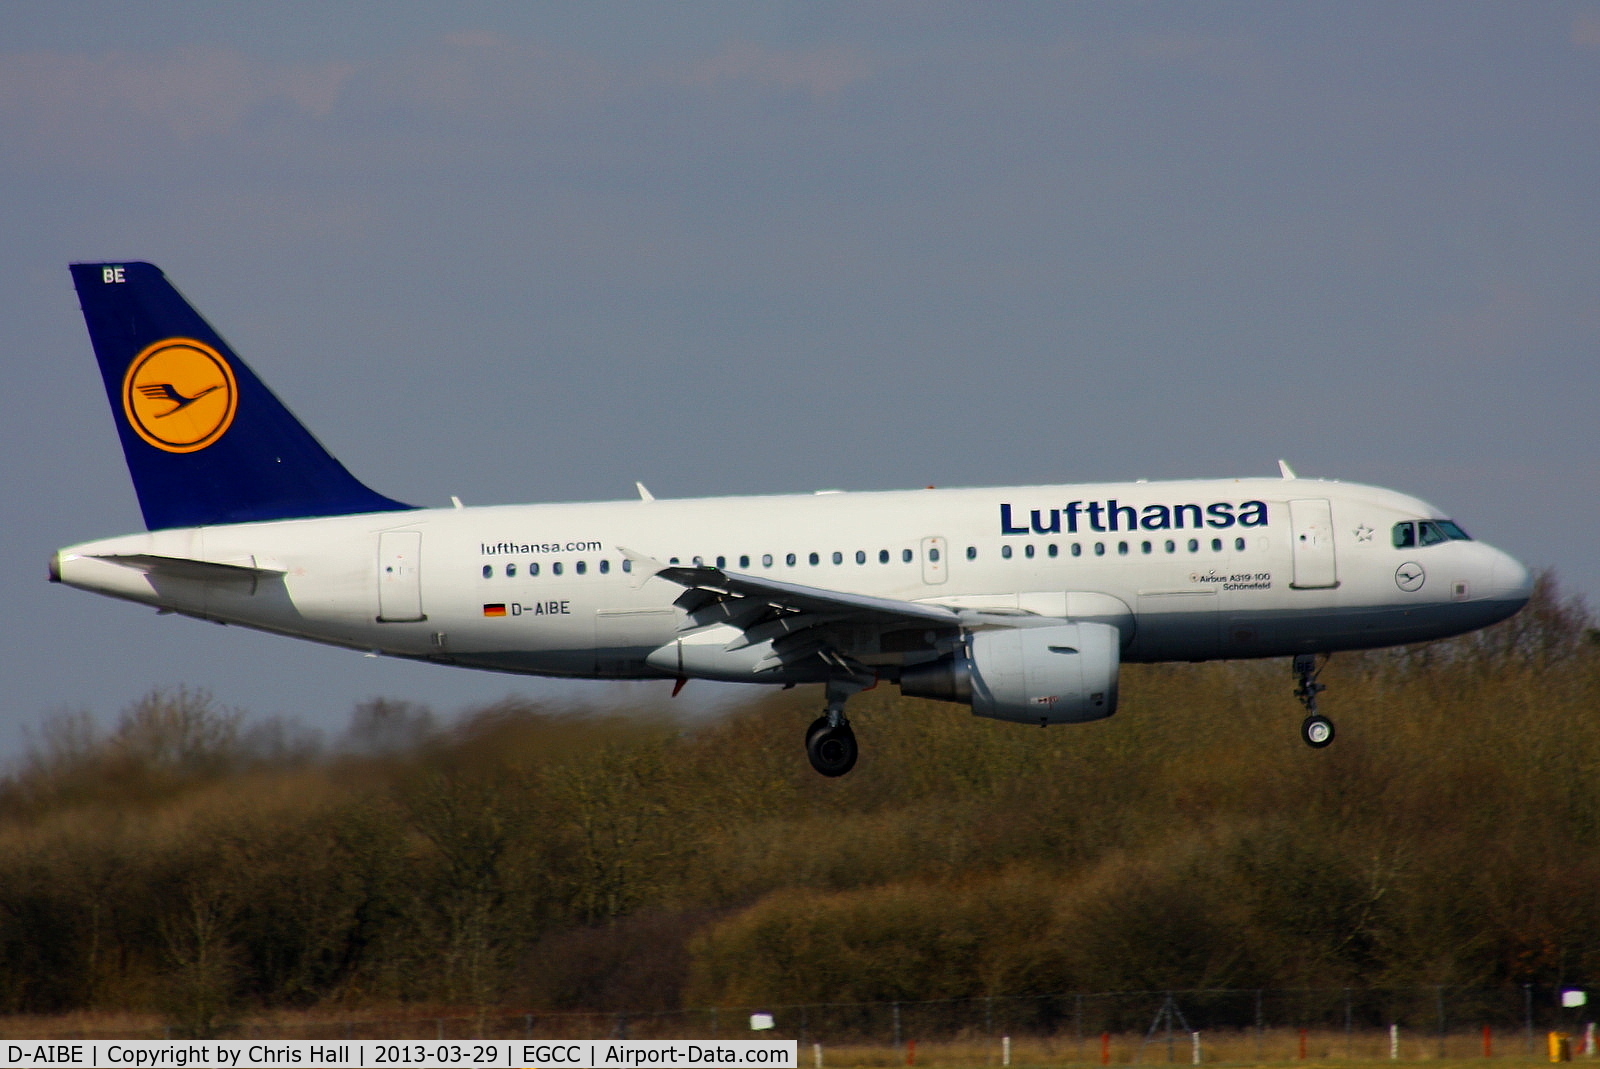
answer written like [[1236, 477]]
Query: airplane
[[1021, 601]]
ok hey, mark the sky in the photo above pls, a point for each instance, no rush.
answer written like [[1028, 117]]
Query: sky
[[536, 252]]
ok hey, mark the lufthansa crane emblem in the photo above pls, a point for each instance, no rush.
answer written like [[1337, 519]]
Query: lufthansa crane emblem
[[1410, 576], [179, 395]]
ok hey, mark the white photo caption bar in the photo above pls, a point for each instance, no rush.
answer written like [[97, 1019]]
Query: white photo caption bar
[[403, 1054]]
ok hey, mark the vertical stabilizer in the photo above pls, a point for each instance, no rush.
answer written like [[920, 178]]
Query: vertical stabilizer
[[206, 441]]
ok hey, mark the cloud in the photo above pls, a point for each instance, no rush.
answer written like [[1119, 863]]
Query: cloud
[[823, 73], [180, 107], [192, 90], [93, 107], [132, 108]]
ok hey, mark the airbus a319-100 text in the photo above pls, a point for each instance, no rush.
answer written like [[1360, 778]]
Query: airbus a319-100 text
[[1021, 601]]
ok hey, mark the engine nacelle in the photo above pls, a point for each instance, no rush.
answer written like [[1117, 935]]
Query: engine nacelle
[[1063, 673]]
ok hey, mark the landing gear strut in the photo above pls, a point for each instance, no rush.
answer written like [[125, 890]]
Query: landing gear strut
[[1316, 729], [830, 744]]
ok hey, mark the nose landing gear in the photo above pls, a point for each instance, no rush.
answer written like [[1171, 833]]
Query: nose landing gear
[[1315, 729]]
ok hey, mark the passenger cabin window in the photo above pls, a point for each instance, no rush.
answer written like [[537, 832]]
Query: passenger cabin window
[[488, 571], [533, 568], [605, 567], [1005, 551], [838, 558], [511, 571], [905, 555], [972, 552], [883, 556], [861, 556]]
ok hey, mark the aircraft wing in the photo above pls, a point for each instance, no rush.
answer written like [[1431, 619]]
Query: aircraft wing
[[719, 585], [803, 621]]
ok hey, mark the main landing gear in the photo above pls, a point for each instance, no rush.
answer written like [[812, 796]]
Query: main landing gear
[[1316, 729], [830, 744]]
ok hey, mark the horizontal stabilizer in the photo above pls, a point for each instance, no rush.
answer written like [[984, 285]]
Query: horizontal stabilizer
[[202, 571]]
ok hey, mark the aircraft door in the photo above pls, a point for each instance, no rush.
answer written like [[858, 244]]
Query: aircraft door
[[935, 560], [1311, 534], [400, 577]]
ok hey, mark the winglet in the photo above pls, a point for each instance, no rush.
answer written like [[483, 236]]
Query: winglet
[[642, 566], [1286, 471], [644, 494], [642, 562]]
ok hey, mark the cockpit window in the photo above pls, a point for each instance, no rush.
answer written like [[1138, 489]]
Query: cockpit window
[[1409, 533]]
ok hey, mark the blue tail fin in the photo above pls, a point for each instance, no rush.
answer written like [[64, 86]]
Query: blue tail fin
[[206, 442]]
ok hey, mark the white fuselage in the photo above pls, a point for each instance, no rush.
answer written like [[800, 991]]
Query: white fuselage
[[1190, 570]]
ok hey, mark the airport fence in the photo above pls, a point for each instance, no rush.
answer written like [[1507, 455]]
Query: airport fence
[[1181, 1026]]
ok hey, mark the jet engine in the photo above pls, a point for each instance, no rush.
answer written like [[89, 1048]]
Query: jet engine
[[1056, 674]]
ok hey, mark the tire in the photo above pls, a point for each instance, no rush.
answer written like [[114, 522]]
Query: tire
[[1317, 731], [820, 724], [832, 751]]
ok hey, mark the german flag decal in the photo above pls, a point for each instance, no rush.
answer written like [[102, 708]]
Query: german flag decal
[[494, 610]]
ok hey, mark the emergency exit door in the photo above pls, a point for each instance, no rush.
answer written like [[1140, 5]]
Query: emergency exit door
[[400, 577], [1311, 531]]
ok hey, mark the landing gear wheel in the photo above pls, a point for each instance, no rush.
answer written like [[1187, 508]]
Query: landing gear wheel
[[820, 724], [831, 748], [1317, 730]]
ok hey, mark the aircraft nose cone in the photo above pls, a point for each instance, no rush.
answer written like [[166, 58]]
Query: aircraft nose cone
[[1511, 581]]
